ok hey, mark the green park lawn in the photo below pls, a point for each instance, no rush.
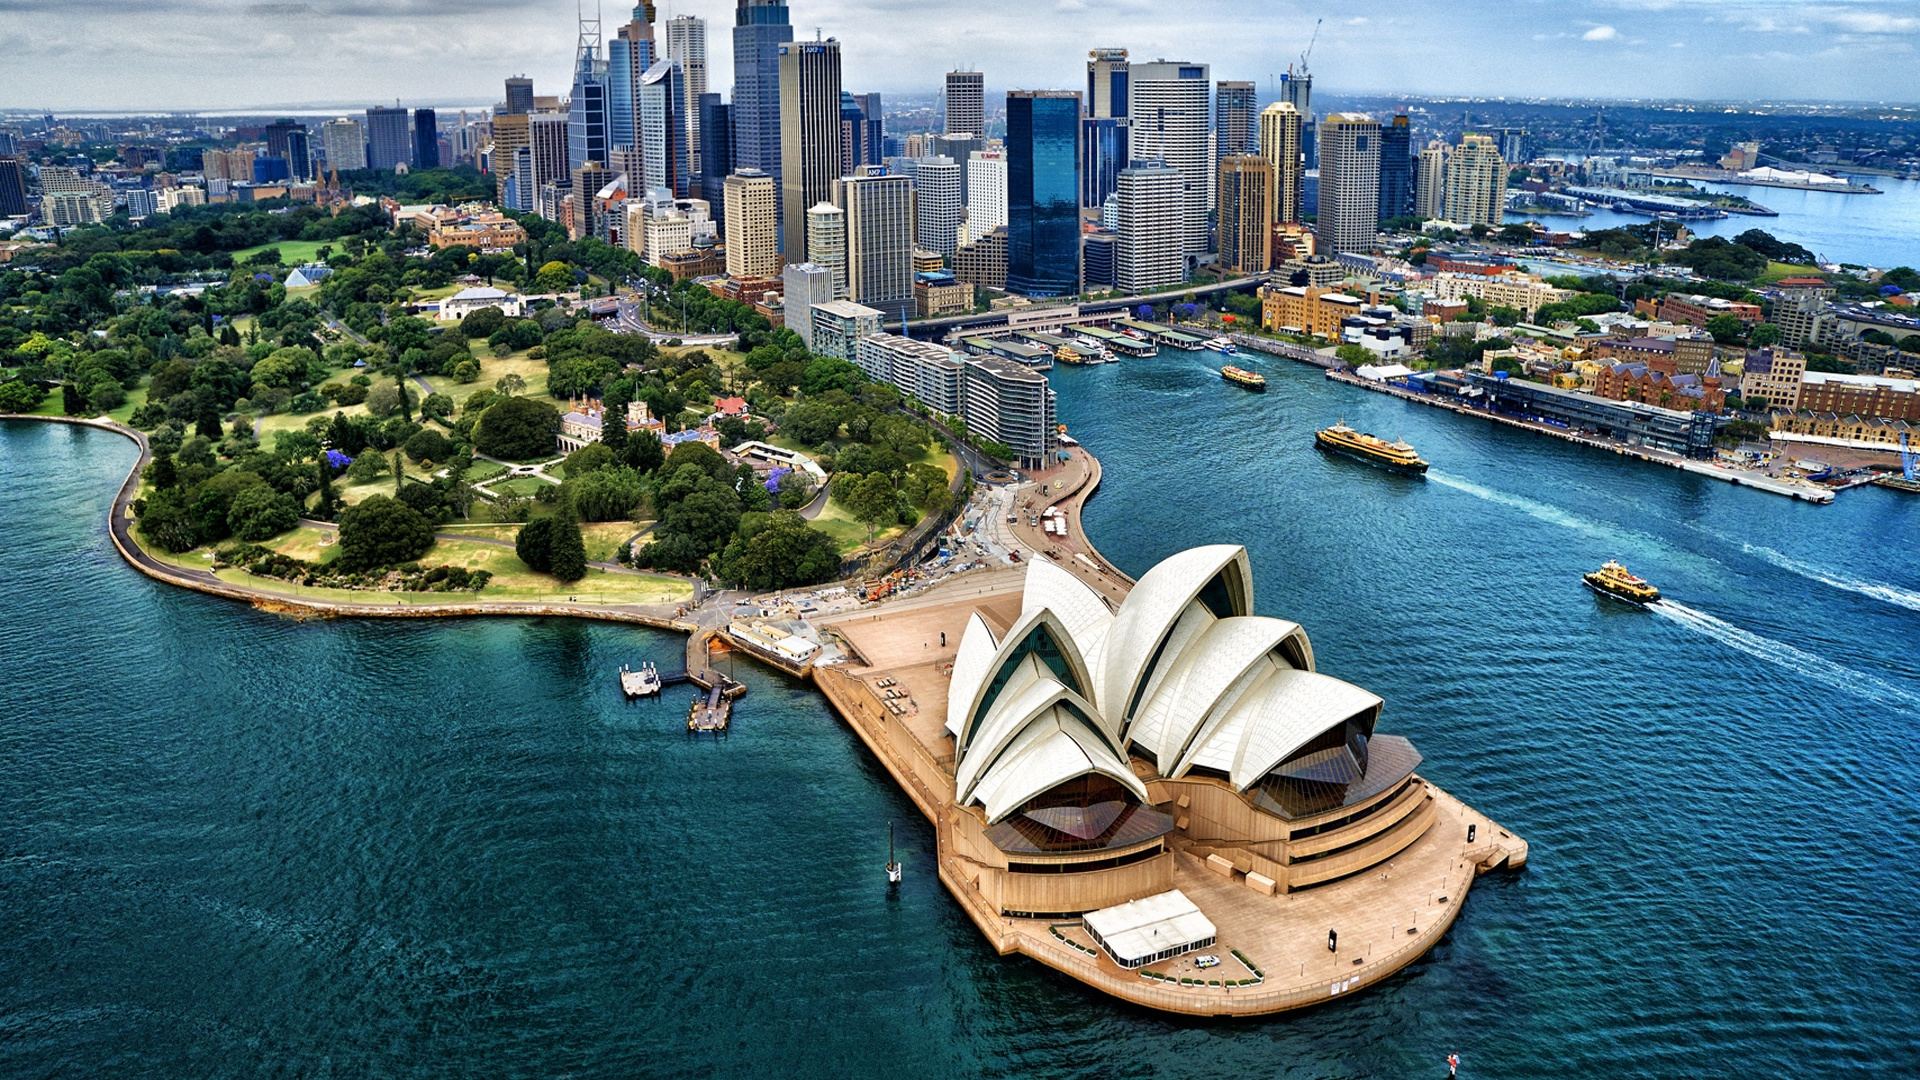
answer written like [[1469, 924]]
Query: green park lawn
[[292, 252], [512, 580], [1777, 270], [847, 533]]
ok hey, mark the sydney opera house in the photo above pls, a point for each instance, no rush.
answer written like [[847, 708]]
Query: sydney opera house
[[1141, 780]]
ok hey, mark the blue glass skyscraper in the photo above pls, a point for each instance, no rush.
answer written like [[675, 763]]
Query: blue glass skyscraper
[[1043, 192], [760, 27], [630, 53], [588, 122]]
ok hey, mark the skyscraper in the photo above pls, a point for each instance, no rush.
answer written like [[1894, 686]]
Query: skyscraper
[[1297, 90], [1430, 183], [957, 147], [663, 130], [389, 143], [1169, 115], [809, 133], [827, 244], [1246, 213], [1103, 131], [282, 143], [716, 154], [753, 226], [1150, 245], [759, 29], [1476, 182], [519, 96], [630, 55], [300, 153], [511, 134], [966, 103], [936, 194], [426, 139], [13, 187], [880, 227], [1043, 192], [1236, 115], [1349, 198], [1280, 125], [687, 43], [589, 110], [1396, 168], [548, 153], [861, 135], [986, 193], [345, 140]]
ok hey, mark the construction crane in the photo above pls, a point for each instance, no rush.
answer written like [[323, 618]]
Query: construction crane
[[1310, 43]]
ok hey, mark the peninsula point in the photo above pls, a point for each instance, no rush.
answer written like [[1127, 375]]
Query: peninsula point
[[1161, 797]]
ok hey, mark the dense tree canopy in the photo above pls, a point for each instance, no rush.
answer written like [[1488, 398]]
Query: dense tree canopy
[[381, 532], [517, 428]]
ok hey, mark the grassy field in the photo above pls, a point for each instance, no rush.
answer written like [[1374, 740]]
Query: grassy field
[[512, 580], [846, 532], [603, 538], [1777, 270], [292, 252]]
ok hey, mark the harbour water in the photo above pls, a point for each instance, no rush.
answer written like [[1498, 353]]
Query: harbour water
[[1869, 230], [235, 845]]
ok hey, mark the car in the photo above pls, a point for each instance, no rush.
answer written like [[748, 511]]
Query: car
[[1206, 961]]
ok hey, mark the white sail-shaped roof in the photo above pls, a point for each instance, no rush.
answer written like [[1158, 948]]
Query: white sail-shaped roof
[[1295, 707], [1051, 749], [970, 665], [1153, 607], [1080, 609], [1209, 666]]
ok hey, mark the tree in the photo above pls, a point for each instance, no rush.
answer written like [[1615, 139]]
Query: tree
[[260, 512], [402, 392], [608, 494], [554, 277], [206, 422], [1763, 335], [428, 445], [534, 543], [20, 396], [162, 474], [517, 428], [510, 384], [568, 561], [1352, 355], [1727, 329], [381, 531], [778, 551], [873, 502], [811, 424], [588, 458]]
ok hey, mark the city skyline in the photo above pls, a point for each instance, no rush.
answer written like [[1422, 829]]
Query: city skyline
[[438, 53]]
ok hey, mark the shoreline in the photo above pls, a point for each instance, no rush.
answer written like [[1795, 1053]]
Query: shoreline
[[1770, 485], [921, 776]]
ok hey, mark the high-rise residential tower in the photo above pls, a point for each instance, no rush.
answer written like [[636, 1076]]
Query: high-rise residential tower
[[345, 140], [1430, 182], [1396, 168], [1043, 192], [589, 110], [809, 133], [966, 103], [687, 43], [1348, 213], [880, 228], [1476, 182], [1236, 116], [426, 139], [753, 225], [1150, 246], [827, 244], [519, 96], [1169, 118], [760, 27], [1280, 126], [1246, 213], [389, 142]]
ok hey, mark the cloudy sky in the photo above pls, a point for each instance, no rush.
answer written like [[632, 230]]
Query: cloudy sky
[[232, 54]]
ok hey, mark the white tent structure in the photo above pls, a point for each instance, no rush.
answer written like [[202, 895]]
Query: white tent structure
[[1182, 674]]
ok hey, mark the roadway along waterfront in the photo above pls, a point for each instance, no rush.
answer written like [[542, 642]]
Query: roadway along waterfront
[[238, 844]]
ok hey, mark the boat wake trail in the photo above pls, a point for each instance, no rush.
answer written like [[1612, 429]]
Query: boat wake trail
[[1799, 661], [1529, 507], [1891, 594]]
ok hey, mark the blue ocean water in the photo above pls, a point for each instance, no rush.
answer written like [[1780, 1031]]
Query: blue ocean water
[[236, 845], [1871, 230]]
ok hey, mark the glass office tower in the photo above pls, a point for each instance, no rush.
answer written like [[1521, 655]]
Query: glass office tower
[[1043, 192]]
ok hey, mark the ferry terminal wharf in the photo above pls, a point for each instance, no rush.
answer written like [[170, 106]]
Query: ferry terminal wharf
[[1303, 354]]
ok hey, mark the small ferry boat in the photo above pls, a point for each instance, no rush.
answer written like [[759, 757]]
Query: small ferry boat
[[1071, 354], [1223, 345], [1091, 348], [1252, 380], [1614, 580], [639, 683], [1395, 456]]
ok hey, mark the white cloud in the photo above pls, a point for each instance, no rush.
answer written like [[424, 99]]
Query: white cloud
[[1600, 33]]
